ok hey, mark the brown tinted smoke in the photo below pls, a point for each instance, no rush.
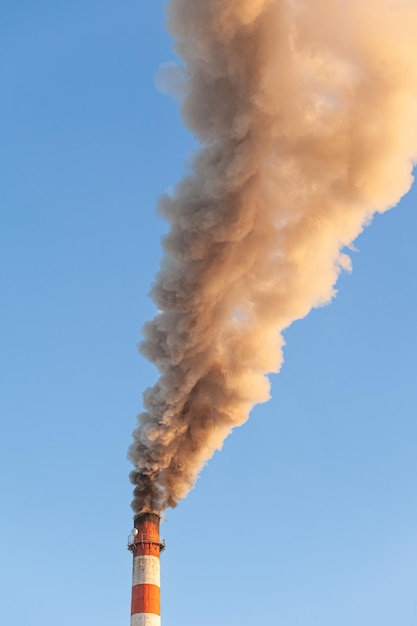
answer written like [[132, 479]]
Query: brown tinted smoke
[[306, 112]]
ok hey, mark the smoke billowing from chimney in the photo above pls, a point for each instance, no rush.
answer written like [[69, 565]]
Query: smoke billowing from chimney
[[306, 112]]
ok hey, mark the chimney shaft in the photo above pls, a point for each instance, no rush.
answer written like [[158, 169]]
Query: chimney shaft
[[146, 546]]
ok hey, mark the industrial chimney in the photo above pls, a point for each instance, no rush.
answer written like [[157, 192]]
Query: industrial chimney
[[146, 547]]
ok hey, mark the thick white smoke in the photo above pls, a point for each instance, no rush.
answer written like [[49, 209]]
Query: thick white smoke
[[307, 115]]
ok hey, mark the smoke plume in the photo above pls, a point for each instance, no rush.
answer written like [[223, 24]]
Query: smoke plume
[[307, 118]]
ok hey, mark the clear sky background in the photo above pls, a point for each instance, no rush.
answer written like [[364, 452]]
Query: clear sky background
[[308, 516]]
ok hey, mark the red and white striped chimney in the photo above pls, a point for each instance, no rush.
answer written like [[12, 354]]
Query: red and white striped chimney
[[146, 546]]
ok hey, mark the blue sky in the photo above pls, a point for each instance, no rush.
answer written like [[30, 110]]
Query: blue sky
[[308, 515]]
